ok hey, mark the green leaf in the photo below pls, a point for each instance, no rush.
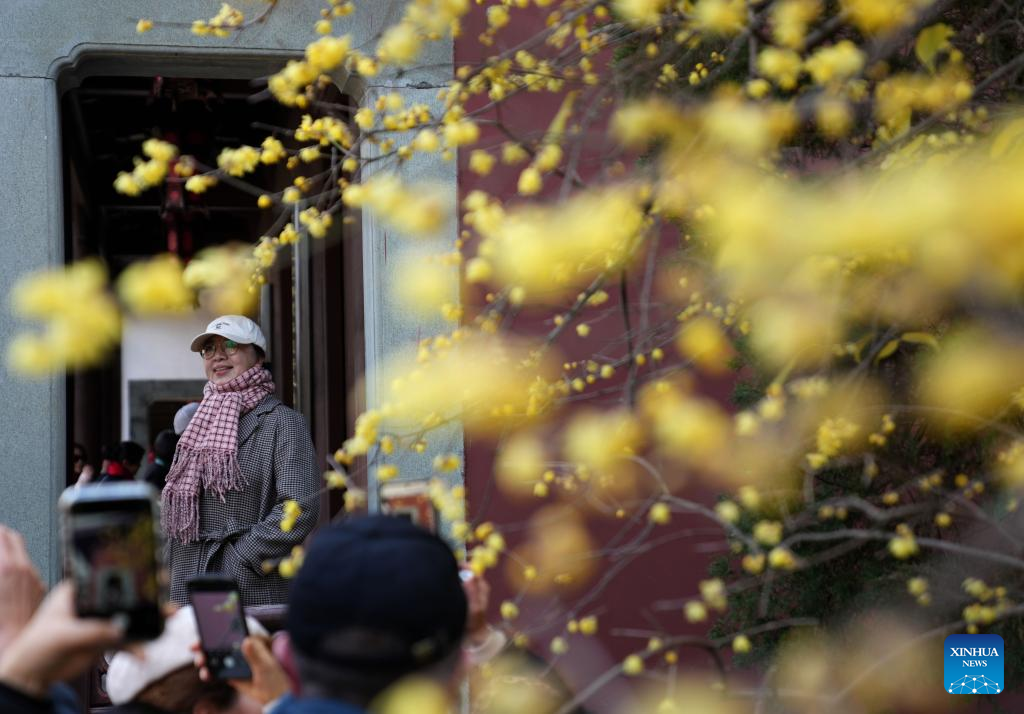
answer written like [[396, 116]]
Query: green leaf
[[931, 41]]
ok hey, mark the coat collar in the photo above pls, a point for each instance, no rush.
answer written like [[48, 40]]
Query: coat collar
[[249, 421]]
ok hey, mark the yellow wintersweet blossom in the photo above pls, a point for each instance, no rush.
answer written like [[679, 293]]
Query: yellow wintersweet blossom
[[155, 287], [159, 150], [289, 565], [316, 222], [551, 250], [414, 211], [741, 128], [223, 277], [327, 53], [143, 25], [768, 532], [478, 270], [728, 511], [400, 45], [423, 284], [639, 123], [273, 151], [782, 66], [240, 161], [972, 378], [790, 20], [480, 379], [880, 16], [833, 436], [603, 440], [149, 172], [782, 559], [836, 62], [633, 665], [414, 695], [290, 512], [904, 545], [720, 17], [521, 462], [512, 153], [695, 611], [497, 16], [446, 463], [426, 140], [559, 549], [640, 13], [481, 162], [326, 130], [690, 429], [226, 17], [703, 342], [833, 116], [200, 183], [288, 85], [461, 133], [81, 321], [792, 331], [714, 593], [530, 181]]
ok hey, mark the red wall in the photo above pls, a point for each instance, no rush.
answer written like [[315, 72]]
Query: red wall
[[669, 571]]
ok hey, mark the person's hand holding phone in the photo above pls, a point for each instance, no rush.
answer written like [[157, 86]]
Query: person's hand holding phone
[[269, 679], [21, 588], [55, 644]]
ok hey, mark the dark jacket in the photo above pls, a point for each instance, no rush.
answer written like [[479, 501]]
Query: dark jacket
[[62, 700], [238, 535], [303, 705], [155, 474]]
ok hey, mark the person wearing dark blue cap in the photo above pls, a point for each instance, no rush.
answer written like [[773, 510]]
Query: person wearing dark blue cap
[[377, 599]]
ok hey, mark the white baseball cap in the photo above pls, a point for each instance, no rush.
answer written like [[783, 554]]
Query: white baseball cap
[[233, 327], [129, 673]]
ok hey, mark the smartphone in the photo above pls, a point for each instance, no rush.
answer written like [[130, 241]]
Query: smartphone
[[221, 622], [113, 552]]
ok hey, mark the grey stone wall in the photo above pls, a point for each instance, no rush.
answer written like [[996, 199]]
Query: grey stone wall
[[45, 46]]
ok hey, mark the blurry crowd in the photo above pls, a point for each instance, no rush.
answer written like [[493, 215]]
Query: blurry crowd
[[380, 618], [128, 460]]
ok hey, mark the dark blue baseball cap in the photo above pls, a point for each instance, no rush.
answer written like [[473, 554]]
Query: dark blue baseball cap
[[379, 575]]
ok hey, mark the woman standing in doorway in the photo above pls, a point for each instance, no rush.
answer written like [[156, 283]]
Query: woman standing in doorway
[[241, 457]]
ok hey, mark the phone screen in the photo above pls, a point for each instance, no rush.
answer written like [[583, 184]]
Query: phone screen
[[220, 620], [113, 560], [222, 629]]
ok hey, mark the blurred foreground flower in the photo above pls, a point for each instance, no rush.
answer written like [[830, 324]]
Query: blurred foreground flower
[[224, 278], [559, 549], [413, 211], [82, 323], [554, 250], [485, 381], [156, 287]]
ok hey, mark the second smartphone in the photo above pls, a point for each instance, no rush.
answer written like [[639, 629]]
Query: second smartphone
[[221, 621]]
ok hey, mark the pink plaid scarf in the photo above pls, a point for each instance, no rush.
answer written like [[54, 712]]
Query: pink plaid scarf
[[207, 453]]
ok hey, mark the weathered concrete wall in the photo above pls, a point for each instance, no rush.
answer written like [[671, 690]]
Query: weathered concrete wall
[[44, 45]]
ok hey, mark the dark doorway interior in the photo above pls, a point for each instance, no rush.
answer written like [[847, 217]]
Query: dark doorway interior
[[105, 119]]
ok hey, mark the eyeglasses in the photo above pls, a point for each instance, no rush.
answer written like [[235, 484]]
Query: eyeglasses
[[208, 350]]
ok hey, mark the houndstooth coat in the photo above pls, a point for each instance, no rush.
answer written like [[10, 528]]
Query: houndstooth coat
[[242, 532]]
